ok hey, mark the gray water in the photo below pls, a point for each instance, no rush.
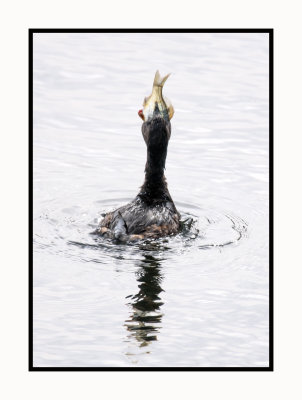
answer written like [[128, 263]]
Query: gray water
[[199, 299]]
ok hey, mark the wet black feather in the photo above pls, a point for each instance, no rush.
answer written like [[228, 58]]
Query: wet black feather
[[152, 213]]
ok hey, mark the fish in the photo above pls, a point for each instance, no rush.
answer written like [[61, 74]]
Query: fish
[[156, 102]]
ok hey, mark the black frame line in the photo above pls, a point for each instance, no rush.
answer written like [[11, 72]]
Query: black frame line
[[270, 31], [30, 198]]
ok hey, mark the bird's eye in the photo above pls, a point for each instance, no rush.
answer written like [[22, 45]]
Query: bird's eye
[[140, 113]]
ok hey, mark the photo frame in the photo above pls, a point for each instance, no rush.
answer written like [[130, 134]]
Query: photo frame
[[150, 275]]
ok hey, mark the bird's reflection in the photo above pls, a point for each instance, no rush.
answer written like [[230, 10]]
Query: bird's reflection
[[145, 319]]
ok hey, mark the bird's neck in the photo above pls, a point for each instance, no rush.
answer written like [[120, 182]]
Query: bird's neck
[[155, 185]]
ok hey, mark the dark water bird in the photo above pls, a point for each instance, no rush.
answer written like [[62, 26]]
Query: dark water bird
[[152, 213]]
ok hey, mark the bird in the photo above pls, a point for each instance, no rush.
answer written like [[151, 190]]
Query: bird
[[152, 213]]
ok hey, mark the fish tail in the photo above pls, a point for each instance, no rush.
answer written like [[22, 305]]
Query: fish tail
[[158, 80]]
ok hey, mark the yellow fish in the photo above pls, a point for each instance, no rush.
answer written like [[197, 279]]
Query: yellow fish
[[156, 102]]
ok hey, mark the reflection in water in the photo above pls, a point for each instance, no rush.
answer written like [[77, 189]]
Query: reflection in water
[[144, 322]]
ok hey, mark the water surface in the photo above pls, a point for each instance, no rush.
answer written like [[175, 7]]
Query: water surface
[[197, 299]]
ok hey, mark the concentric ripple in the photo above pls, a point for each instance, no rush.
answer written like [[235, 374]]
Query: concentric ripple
[[70, 231]]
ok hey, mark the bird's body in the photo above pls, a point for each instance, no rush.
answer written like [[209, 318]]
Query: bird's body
[[140, 220], [152, 213]]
